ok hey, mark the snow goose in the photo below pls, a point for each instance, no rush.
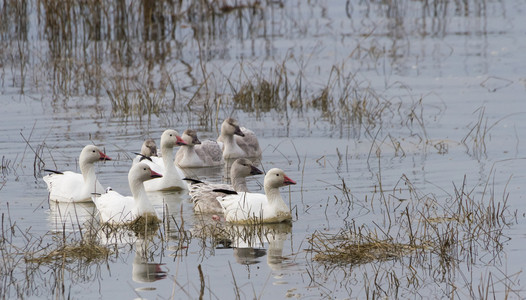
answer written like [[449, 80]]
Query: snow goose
[[172, 176], [148, 149], [196, 154], [205, 198], [238, 142], [74, 187], [117, 209], [260, 208]]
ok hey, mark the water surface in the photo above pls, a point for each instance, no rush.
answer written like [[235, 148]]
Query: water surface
[[442, 82]]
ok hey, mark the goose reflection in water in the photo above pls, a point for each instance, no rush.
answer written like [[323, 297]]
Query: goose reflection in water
[[144, 270], [249, 243], [71, 216]]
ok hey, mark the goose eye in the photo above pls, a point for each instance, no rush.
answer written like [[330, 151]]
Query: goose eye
[[144, 169], [277, 175]]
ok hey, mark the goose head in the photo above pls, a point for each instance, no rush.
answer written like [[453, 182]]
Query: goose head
[[243, 167], [276, 178], [140, 173], [170, 138], [190, 137], [91, 154], [230, 127], [149, 148]]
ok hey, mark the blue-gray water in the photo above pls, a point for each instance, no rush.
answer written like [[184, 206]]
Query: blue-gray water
[[437, 69]]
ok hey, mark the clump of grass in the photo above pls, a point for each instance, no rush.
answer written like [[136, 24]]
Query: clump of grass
[[262, 96], [350, 248], [259, 93], [418, 232], [85, 250], [129, 97], [210, 235], [141, 226], [146, 223]]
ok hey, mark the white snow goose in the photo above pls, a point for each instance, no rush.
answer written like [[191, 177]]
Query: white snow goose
[[117, 209], [172, 175], [204, 194], [74, 187], [248, 208]]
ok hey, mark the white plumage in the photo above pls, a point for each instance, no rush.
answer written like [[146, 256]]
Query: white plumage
[[172, 176], [203, 195], [260, 208], [74, 187], [115, 208]]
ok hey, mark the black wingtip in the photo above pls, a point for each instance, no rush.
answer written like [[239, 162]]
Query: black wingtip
[[142, 156], [194, 181], [225, 191], [54, 171]]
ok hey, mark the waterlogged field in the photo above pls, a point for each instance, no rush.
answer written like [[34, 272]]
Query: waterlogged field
[[402, 123]]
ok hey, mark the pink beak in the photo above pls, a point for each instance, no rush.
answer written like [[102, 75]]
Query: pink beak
[[287, 180], [155, 174], [180, 141], [104, 156]]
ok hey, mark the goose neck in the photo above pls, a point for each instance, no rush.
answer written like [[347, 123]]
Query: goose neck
[[239, 184], [168, 158], [273, 194], [88, 173], [138, 192], [187, 150], [228, 139]]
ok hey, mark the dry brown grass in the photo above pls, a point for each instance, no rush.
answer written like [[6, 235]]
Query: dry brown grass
[[144, 224], [348, 248], [86, 251], [432, 238]]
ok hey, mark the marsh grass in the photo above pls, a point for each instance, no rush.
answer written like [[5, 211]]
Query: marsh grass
[[347, 248], [212, 235], [130, 96], [30, 261], [259, 93], [475, 140], [130, 57], [420, 232], [7, 166], [53, 261], [480, 131], [116, 52], [85, 251], [144, 225]]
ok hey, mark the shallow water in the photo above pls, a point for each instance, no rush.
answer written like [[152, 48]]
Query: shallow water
[[440, 67]]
